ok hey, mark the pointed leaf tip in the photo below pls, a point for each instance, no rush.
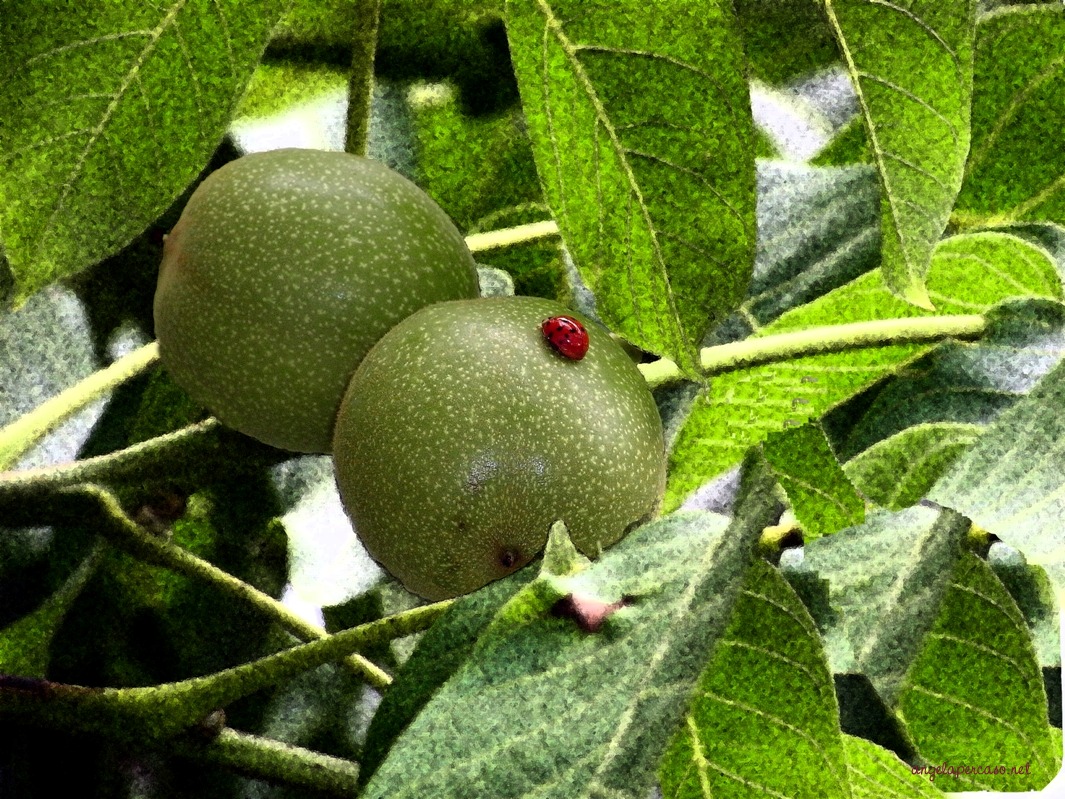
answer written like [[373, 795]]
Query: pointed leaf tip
[[561, 557], [917, 294]]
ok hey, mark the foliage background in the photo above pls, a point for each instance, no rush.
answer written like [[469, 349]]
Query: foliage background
[[459, 137]]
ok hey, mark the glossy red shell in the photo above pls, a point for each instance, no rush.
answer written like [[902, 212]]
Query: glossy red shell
[[566, 335]]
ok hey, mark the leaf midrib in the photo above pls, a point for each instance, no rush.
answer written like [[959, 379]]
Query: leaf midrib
[[870, 129], [95, 132], [555, 26]]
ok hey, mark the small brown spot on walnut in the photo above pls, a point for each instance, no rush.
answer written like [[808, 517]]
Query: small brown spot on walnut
[[588, 613], [507, 558]]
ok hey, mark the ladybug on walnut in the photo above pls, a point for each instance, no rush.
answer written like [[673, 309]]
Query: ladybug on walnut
[[566, 335]]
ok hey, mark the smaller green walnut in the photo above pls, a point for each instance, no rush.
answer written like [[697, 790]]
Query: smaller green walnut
[[465, 433], [283, 270]]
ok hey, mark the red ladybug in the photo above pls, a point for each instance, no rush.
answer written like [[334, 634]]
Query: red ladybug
[[566, 335]]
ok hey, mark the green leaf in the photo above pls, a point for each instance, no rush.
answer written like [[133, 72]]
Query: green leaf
[[230, 524], [25, 645], [876, 773], [975, 693], [538, 267], [822, 497], [764, 716], [110, 110], [971, 382], [542, 706], [137, 624], [1045, 234], [561, 556], [969, 273], [440, 653], [1011, 482], [435, 39], [775, 53], [1033, 592], [1016, 168], [911, 65], [641, 127], [439, 24], [472, 166], [897, 471], [764, 146], [886, 579], [480, 170]]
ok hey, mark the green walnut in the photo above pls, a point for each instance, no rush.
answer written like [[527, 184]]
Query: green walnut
[[284, 269], [466, 432]]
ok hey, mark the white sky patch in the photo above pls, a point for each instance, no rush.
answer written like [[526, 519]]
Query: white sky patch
[[308, 611], [327, 564], [803, 117], [797, 128], [47, 348], [317, 125]]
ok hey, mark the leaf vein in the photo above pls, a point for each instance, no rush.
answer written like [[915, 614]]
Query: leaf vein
[[913, 97], [923, 25], [555, 27], [691, 173], [677, 62], [107, 37], [986, 714], [95, 133]]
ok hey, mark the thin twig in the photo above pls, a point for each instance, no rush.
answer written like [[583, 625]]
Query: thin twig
[[274, 761]]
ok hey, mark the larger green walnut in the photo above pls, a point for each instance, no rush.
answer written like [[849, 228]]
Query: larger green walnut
[[284, 269], [464, 435]]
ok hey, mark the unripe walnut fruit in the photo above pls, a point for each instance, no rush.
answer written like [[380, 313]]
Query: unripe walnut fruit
[[464, 434], [283, 271]]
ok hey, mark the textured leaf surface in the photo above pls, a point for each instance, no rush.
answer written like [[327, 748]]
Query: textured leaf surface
[[1016, 168], [439, 654], [472, 166], [1012, 482], [822, 497], [876, 773], [764, 719], [975, 693], [898, 470], [480, 170], [1033, 592], [849, 146], [279, 88], [776, 54], [641, 128], [1048, 235], [969, 382], [886, 579], [911, 64], [543, 709], [110, 109], [969, 274]]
